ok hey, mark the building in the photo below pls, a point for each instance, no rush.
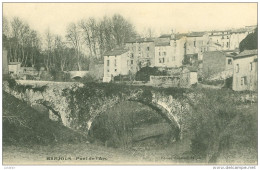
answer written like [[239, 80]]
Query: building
[[196, 44], [5, 62], [170, 52], [118, 62], [14, 68], [245, 71], [228, 39], [142, 50], [215, 62]]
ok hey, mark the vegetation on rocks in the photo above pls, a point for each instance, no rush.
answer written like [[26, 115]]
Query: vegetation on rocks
[[25, 126]]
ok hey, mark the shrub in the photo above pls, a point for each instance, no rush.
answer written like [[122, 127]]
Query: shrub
[[144, 73], [12, 83], [217, 126]]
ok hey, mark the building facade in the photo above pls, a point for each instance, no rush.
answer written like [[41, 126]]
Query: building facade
[[5, 62], [117, 62], [215, 62], [170, 52], [245, 71], [142, 50]]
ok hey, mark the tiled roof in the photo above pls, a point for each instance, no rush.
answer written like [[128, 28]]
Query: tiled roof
[[141, 40], [14, 63], [177, 36], [246, 53], [115, 52], [196, 34], [165, 36], [162, 44]]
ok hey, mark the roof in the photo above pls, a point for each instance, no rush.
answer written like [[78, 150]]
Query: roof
[[246, 53], [162, 44], [115, 52], [217, 44], [177, 36], [212, 53], [196, 34], [140, 40], [14, 63], [165, 36]]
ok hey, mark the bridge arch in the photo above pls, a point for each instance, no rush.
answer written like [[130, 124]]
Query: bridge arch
[[159, 109]]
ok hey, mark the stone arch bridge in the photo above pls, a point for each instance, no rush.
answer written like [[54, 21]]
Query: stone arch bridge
[[77, 105]]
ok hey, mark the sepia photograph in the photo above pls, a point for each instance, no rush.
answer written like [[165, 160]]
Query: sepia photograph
[[120, 83]]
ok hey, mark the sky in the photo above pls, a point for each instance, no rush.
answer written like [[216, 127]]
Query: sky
[[161, 17]]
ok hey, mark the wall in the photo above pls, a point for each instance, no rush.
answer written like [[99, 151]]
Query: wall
[[200, 44], [141, 53], [213, 62], [165, 80], [184, 80], [120, 64], [244, 71], [15, 68], [5, 62], [236, 38]]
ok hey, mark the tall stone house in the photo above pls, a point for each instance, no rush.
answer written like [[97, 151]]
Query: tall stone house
[[142, 50], [117, 62], [245, 71]]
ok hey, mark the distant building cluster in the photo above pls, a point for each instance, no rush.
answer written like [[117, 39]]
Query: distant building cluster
[[214, 53]]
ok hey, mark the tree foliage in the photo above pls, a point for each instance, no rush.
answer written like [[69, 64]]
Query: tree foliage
[[250, 42], [144, 73]]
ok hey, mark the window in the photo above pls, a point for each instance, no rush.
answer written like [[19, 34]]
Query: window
[[148, 48], [147, 55], [132, 55], [227, 44], [132, 62], [161, 60], [139, 48], [237, 68], [115, 62], [251, 66], [108, 63], [194, 43], [243, 81], [159, 53], [115, 70], [164, 53], [229, 61]]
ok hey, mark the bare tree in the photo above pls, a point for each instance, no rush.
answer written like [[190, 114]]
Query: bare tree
[[49, 40], [74, 37]]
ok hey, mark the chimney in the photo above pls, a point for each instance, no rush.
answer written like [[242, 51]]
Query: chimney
[[172, 35]]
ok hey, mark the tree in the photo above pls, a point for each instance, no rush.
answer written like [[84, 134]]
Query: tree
[[49, 43], [122, 29], [74, 37], [250, 42]]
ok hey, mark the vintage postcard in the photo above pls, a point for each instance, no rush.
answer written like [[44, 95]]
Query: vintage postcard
[[130, 84]]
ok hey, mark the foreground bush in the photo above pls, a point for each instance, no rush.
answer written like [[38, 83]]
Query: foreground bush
[[218, 127]]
